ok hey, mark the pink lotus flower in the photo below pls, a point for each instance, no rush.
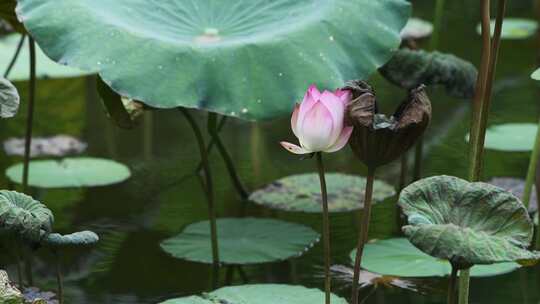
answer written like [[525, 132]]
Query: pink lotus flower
[[318, 122]]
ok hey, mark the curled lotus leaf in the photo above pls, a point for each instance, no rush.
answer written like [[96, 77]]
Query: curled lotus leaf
[[411, 68], [467, 223], [259, 294], [9, 99], [81, 238], [23, 217], [250, 59]]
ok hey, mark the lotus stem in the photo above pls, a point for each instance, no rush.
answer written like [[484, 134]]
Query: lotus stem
[[30, 114], [464, 279], [243, 275], [531, 172], [452, 284], [418, 155], [28, 267], [403, 173], [19, 265], [214, 134], [209, 191], [148, 135], [437, 25], [364, 232], [482, 100], [326, 228], [211, 143], [15, 56], [59, 276]]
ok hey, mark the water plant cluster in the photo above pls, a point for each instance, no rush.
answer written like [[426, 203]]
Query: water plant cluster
[[254, 60]]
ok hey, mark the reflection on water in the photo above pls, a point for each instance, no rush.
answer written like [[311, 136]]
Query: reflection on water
[[164, 194]]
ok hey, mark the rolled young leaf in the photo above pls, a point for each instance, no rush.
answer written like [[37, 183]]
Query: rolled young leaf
[[82, 238]]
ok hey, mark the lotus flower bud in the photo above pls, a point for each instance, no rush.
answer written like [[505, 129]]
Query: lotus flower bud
[[378, 139], [318, 122]]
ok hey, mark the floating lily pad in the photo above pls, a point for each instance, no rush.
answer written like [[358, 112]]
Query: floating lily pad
[[302, 193], [398, 257], [512, 137], [82, 238], [416, 29], [247, 58], [467, 223], [242, 241], [24, 217], [514, 28], [57, 146], [516, 186], [9, 99], [71, 172], [259, 294], [45, 67]]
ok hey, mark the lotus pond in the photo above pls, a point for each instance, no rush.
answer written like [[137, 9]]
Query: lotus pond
[[156, 173]]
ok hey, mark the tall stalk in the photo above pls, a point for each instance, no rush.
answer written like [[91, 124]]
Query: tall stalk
[[531, 172], [326, 228], [59, 277], [364, 232], [30, 113], [451, 298], [15, 56], [482, 102], [209, 191], [214, 133]]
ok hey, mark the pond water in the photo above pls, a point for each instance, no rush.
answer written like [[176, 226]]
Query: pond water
[[164, 194]]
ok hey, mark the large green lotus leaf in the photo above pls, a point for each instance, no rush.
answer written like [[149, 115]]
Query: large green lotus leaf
[[467, 223], [411, 68], [9, 99], [259, 294], [81, 238], [242, 241], [514, 28], [398, 257], [71, 172], [302, 193], [247, 58], [22, 216], [45, 67], [511, 137]]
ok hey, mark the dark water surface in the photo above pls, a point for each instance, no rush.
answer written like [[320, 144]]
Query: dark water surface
[[164, 195]]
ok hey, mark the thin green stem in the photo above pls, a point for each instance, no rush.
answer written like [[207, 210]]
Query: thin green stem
[[28, 266], [30, 114], [418, 155], [464, 279], [19, 265], [212, 143], [437, 25], [59, 277], [214, 134], [404, 171], [531, 172], [209, 191], [148, 134], [452, 284], [15, 56], [326, 228], [363, 234]]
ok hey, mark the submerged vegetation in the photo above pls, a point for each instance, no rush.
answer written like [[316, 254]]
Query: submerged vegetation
[[335, 67]]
